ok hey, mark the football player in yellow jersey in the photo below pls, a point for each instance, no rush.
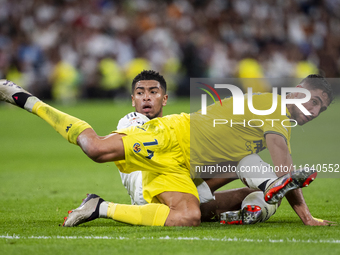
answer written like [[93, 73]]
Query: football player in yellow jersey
[[149, 100], [245, 134], [181, 207], [241, 137]]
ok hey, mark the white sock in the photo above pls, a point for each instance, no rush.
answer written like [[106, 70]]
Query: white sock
[[30, 103], [256, 198], [103, 209], [255, 173]]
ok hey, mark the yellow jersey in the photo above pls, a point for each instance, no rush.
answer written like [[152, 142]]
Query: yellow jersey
[[220, 136]]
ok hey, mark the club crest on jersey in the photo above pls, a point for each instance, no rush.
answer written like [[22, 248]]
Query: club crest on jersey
[[136, 147]]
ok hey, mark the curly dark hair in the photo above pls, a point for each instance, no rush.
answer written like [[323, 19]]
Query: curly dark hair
[[317, 81], [149, 75]]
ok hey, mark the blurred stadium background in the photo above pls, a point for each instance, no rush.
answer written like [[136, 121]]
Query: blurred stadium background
[[70, 49]]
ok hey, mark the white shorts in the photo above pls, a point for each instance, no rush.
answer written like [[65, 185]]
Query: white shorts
[[133, 183]]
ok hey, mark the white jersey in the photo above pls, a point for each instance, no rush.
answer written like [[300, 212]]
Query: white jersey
[[133, 181]]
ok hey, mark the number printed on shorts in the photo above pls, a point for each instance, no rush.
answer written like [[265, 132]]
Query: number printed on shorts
[[150, 152]]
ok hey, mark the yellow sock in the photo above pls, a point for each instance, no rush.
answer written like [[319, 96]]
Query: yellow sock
[[146, 215], [68, 126]]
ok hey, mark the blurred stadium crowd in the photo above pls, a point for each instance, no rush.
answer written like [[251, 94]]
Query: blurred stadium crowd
[[69, 49]]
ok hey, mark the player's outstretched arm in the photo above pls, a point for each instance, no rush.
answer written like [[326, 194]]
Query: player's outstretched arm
[[299, 205], [101, 149], [282, 160], [76, 131]]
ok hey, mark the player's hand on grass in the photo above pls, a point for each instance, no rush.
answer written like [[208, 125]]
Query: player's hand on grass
[[319, 222]]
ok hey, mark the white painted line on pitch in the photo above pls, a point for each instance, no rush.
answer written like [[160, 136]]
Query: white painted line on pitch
[[224, 239]]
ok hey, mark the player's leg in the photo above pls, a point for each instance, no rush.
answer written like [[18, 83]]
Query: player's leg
[[133, 183], [176, 192], [184, 209], [254, 209], [74, 130], [225, 200], [237, 206], [211, 205], [257, 174], [220, 179], [94, 207], [177, 209], [68, 126], [242, 206]]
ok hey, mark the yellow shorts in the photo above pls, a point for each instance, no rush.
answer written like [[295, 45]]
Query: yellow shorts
[[154, 149]]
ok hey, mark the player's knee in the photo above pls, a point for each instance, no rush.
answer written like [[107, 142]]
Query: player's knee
[[191, 218], [196, 217]]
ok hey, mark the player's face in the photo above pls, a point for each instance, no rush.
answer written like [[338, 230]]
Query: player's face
[[317, 104], [149, 98]]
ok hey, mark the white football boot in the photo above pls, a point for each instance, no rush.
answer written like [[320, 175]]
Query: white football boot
[[16, 95], [87, 211]]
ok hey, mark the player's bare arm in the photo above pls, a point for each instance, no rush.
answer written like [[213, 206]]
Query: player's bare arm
[[101, 148], [282, 159], [279, 152], [76, 131]]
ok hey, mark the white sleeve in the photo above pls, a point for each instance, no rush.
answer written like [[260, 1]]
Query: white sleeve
[[132, 119], [133, 181]]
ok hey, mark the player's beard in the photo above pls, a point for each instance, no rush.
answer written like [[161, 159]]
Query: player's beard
[[296, 115]]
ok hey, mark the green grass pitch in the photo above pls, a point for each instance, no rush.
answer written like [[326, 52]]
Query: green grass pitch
[[42, 177]]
